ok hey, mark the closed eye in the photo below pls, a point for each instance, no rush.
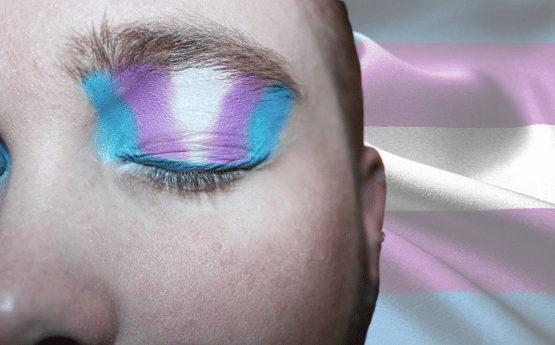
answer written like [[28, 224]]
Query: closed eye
[[188, 181]]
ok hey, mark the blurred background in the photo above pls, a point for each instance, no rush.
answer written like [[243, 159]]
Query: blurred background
[[457, 21]]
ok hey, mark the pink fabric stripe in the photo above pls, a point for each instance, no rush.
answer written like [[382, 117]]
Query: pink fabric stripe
[[482, 251], [458, 85]]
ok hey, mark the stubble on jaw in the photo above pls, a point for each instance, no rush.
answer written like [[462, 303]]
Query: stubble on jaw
[[333, 31]]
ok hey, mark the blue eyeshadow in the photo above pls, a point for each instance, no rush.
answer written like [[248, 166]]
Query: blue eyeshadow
[[4, 160], [267, 121], [265, 125], [5, 165], [116, 133], [179, 166]]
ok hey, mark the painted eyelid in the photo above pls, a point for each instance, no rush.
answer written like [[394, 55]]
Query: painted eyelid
[[264, 136], [177, 166], [120, 117]]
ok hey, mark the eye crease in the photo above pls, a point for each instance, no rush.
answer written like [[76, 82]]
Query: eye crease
[[195, 129]]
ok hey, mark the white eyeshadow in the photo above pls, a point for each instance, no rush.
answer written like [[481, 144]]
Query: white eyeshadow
[[197, 96]]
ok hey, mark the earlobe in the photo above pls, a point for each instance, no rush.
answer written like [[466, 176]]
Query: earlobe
[[372, 180]]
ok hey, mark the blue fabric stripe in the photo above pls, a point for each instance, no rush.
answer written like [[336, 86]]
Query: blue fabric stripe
[[446, 318], [455, 21]]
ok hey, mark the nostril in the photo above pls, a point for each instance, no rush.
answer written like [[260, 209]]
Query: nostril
[[58, 341]]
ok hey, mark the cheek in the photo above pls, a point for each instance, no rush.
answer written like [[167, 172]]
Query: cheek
[[303, 247], [273, 261], [293, 267]]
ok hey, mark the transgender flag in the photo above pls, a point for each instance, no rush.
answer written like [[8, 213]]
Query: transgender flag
[[460, 103]]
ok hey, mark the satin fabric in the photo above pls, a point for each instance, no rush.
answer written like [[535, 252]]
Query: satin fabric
[[464, 121]]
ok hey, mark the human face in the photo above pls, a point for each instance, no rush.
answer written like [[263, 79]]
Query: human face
[[91, 252]]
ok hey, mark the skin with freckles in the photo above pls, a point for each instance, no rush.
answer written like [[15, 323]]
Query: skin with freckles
[[284, 255]]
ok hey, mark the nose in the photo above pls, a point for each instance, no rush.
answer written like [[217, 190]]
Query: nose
[[54, 311], [52, 289], [44, 300]]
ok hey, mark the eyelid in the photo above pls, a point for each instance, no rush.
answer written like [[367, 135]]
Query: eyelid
[[128, 125], [186, 167]]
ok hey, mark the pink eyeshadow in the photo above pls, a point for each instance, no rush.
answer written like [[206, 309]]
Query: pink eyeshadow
[[148, 91], [230, 130]]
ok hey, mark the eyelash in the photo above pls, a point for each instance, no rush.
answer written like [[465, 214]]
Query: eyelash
[[188, 181]]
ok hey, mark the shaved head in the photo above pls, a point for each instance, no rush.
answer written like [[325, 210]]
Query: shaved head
[[330, 22], [336, 43]]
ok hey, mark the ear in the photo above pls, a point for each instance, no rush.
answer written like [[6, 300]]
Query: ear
[[372, 179], [372, 188]]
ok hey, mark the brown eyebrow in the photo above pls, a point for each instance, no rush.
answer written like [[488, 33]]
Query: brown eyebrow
[[175, 45]]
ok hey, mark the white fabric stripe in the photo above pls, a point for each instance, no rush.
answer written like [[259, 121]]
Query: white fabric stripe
[[516, 159], [412, 186]]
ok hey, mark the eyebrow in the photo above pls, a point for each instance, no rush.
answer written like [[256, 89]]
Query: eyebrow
[[175, 45]]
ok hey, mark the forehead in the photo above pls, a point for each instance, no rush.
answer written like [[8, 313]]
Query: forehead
[[38, 38], [39, 34]]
